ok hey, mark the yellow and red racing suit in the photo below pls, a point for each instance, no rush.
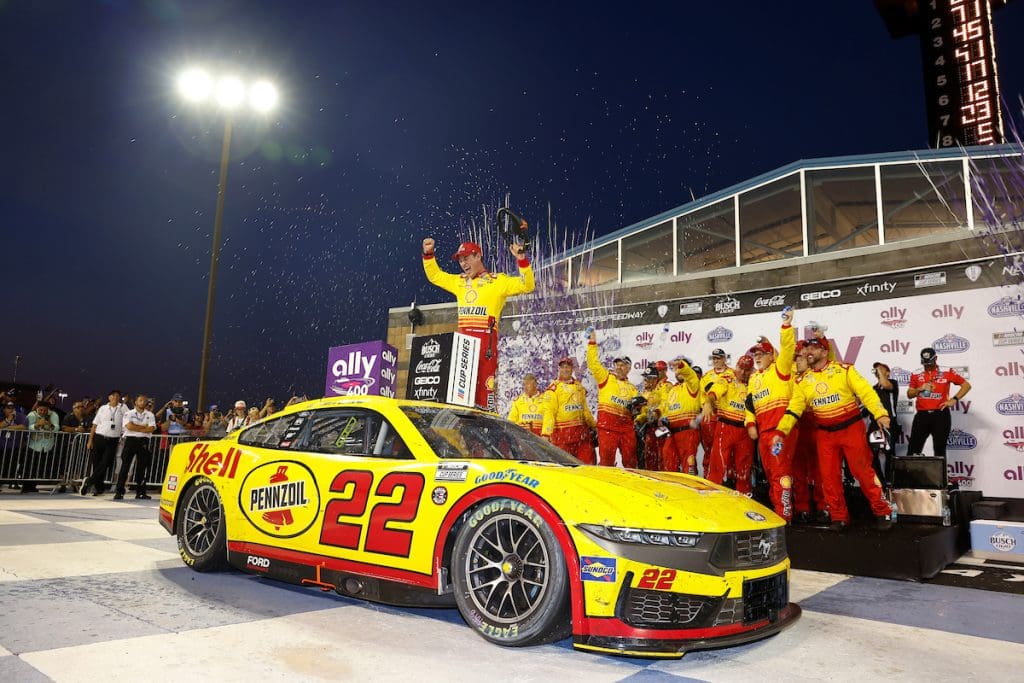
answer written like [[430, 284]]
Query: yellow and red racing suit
[[531, 412], [733, 450], [570, 421], [708, 427], [614, 421], [480, 302], [679, 408]]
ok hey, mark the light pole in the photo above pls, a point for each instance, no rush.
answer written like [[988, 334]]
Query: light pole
[[228, 93]]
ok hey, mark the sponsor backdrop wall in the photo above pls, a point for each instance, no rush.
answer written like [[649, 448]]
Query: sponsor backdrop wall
[[971, 313]]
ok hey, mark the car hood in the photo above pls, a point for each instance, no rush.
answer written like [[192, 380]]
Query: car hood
[[653, 500]]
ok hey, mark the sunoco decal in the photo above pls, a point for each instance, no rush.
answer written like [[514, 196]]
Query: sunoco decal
[[598, 569], [280, 498]]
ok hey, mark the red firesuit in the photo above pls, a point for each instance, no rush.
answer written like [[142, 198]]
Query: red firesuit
[[680, 405], [733, 449], [710, 425]]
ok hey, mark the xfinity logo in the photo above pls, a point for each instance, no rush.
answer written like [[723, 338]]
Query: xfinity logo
[[818, 296], [425, 393], [872, 288]]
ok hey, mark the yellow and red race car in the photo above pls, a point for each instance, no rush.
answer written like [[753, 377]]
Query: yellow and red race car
[[424, 504]]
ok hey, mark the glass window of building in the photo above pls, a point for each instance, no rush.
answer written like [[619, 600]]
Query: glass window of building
[[707, 238], [648, 254], [771, 222], [923, 199], [597, 267], [997, 188], [842, 211]]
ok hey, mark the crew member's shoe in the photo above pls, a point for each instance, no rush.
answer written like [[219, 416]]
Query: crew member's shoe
[[29, 488], [839, 526], [883, 523], [118, 496], [802, 518]]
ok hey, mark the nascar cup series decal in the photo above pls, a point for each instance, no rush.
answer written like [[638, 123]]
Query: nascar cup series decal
[[280, 498]]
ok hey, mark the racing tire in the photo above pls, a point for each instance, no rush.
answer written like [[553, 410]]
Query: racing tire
[[201, 533], [509, 574]]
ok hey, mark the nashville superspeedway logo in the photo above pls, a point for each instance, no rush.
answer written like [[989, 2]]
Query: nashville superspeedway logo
[[280, 498]]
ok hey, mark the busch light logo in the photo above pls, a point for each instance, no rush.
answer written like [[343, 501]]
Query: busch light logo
[[900, 375], [597, 569], [950, 343], [431, 348], [1011, 405], [727, 305], [720, 334], [1003, 541], [960, 440], [1007, 307]]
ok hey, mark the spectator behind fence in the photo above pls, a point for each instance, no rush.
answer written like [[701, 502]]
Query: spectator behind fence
[[139, 423], [77, 420], [42, 424], [106, 432], [12, 424], [238, 418], [173, 417]]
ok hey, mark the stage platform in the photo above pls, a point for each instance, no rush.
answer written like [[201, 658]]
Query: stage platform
[[909, 551]]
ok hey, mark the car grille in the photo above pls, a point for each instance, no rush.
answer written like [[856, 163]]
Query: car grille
[[763, 598], [750, 549]]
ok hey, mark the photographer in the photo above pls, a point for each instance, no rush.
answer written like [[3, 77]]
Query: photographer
[[269, 408], [216, 424], [174, 416]]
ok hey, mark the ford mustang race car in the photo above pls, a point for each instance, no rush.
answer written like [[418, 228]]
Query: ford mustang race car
[[411, 503]]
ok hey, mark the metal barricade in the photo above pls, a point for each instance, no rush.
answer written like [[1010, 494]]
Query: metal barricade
[[63, 459]]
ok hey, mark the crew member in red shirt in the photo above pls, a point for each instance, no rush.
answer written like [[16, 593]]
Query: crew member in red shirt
[[931, 388]]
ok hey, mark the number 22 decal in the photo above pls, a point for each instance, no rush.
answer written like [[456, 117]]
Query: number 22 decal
[[379, 537], [659, 579]]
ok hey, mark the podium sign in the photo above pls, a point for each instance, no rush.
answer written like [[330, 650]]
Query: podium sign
[[367, 369], [443, 368]]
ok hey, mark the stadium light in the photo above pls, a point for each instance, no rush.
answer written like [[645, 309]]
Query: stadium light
[[230, 94]]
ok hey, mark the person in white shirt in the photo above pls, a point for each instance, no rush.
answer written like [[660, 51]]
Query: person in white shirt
[[104, 436], [139, 423], [238, 418]]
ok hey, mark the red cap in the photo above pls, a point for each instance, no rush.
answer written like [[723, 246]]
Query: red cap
[[465, 249], [762, 346], [661, 365], [567, 359], [814, 341], [745, 362]]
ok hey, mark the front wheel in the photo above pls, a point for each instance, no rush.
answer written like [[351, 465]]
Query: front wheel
[[201, 533], [510, 578]]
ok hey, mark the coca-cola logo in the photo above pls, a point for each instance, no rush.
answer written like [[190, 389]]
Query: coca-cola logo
[[764, 302], [425, 366]]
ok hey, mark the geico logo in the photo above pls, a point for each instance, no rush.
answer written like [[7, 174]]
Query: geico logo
[[432, 379], [815, 296], [254, 561]]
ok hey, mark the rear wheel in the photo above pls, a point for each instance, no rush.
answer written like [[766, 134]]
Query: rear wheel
[[201, 532], [510, 577]]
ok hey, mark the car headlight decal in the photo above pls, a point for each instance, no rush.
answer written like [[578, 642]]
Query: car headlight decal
[[621, 534]]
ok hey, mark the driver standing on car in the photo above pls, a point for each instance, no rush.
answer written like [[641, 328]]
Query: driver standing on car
[[481, 297]]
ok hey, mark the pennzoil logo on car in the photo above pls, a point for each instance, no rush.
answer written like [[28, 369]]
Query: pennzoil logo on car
[[280, 498], [598, 569]]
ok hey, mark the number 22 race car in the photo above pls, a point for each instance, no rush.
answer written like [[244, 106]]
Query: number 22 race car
[[423, 504]]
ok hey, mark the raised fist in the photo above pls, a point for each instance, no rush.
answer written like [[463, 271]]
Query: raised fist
[[428, 245]]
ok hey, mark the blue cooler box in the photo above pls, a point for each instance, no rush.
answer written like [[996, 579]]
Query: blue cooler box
[[994, 539]]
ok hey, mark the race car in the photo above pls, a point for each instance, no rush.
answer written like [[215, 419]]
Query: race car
[[413, 503]]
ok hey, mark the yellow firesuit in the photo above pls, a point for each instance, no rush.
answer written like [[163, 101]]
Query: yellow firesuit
[[730, 400], [532, 412], [569, 408], [613, 395], [770, 389], [832, 395], [480, 298], [682, 401]]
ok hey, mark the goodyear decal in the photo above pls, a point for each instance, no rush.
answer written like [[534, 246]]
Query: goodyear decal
[[598, 569], [280, 498]]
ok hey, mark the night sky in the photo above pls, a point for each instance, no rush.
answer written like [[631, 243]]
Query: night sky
[[398, 120]]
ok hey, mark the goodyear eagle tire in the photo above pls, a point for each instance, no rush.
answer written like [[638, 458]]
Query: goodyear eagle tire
[[201, 532], [509, 573]]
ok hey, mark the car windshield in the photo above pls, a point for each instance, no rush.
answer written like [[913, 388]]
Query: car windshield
[[457, 434]]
